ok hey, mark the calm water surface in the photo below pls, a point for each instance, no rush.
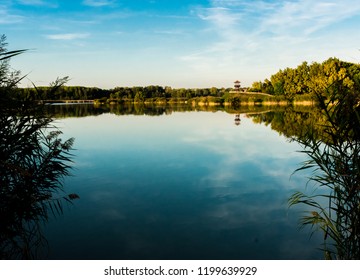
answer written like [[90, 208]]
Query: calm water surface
[[187, 185]]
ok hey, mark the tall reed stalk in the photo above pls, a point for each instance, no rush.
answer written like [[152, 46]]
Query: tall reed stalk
[[33, 163], [334, 159]]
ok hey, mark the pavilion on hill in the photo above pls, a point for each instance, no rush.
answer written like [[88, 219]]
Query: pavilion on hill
[[237, 85]]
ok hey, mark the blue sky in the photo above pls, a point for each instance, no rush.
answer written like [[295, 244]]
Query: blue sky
[[109, 43]]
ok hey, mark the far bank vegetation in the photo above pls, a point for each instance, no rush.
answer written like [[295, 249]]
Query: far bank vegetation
[[291, 85]]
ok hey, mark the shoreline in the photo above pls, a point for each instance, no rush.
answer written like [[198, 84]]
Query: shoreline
[[192, 102]]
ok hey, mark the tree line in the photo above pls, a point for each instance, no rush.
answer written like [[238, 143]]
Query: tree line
[[136, 93], [300, 83]]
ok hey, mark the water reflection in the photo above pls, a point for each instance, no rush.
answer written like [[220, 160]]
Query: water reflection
[[184, 185], [237, 119], [287, 120], [82, 110]]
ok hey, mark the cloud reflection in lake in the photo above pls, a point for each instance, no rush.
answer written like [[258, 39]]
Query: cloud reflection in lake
[[182, 186]]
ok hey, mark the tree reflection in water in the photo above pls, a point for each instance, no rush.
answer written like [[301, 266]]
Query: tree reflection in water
[[33, 163], [329, 135]]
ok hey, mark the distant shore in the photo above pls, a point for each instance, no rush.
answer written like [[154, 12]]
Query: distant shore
[[202, 101]]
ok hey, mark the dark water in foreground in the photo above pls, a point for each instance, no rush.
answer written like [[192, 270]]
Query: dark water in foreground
[[185, 185]]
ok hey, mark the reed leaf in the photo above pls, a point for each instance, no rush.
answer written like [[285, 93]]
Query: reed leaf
[[34, 161], [335, 165]]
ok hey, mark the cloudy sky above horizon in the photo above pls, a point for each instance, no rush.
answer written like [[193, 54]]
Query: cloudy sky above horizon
[[188, 43]]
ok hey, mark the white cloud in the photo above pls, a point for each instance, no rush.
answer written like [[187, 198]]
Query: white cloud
[[7, 18], [263, 36], [169, 32], [52, 4], [68, 36], [309, 16], [231, 20], [98, 3], [219, 16]]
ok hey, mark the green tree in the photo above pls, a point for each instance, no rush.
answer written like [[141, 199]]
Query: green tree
[[139, 94], [257, 87], [328, 76], [278, 82]]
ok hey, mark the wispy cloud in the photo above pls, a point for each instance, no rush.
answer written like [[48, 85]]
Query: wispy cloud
[[308, 16], [224, 26], [68, 36], [52, 4], [8, 18], [169, 32], [99, 3], [254, 32]]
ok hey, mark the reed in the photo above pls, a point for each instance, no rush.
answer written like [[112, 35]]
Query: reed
[[334, 203], [33, 163]]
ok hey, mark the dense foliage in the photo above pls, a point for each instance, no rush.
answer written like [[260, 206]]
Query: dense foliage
[[311, 79], [137, 93]]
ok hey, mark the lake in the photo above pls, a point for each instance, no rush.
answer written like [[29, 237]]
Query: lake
[[179, 184]]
